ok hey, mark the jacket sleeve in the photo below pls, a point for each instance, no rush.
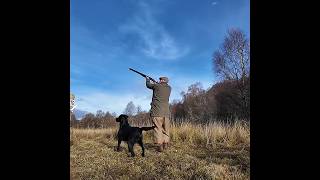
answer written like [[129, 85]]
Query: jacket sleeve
[[149, 84]]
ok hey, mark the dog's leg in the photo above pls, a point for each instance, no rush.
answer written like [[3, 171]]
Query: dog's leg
[[119, 142], [130, 147], [141, 144]]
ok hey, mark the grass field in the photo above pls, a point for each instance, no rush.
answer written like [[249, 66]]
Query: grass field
[[213, 151]]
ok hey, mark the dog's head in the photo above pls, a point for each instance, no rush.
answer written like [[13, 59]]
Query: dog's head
[[123, 119]]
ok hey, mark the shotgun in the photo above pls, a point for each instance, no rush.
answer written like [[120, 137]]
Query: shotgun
[[143, 75]]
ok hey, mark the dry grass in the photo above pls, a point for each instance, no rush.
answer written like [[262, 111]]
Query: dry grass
[[212, 151]]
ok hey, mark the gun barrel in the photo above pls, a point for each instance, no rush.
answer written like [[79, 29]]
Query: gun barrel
[[142, 75], [138, 72]]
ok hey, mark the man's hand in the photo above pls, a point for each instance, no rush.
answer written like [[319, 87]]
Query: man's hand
[[149, 84]]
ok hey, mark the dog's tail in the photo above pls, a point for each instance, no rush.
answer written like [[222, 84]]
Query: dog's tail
[[147, 128]]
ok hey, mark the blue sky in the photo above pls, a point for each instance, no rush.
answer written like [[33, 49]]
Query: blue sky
[[158, 37]]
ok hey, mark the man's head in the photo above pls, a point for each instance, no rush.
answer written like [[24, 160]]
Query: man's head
[[164, 80]]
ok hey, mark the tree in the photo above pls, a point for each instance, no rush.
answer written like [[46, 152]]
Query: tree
[[88, 121], [100, 114], [139, 109], [197, 105], [194, 102], [232, 60], [108, 115], [130, 109], [232, 63]]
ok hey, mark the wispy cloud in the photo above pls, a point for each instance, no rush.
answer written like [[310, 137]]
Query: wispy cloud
[[214, 3], [157, 42]]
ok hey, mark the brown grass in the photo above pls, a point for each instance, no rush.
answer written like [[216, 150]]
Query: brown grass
[[212, 151]]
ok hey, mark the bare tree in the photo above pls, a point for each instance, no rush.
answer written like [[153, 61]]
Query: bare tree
[[88, 121], [130, 109], [232, 60], [194, 102], [139, 109], [100, 114], [114, 114]]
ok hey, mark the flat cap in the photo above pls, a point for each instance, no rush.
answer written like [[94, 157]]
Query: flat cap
[[165, 79]]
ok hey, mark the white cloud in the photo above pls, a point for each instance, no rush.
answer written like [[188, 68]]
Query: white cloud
[[214, 3], [157, 42]]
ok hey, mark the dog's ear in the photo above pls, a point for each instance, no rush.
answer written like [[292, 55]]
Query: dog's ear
[[117, 119]]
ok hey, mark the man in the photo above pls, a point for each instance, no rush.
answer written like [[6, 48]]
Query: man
[[159, 112]]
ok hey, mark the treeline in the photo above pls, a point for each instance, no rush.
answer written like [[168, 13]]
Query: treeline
[[222, 102], [103, 120]]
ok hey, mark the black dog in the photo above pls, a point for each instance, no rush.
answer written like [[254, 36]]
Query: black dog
[[130, 134]]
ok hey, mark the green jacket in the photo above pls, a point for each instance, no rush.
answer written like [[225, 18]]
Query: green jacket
[[160, 99]]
